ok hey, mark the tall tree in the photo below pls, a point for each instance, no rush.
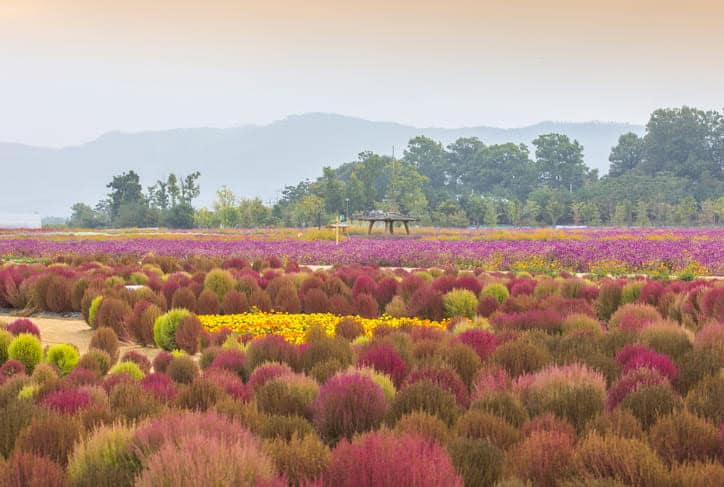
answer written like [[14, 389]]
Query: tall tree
[[559, 162], [126, 190], [626, 155]]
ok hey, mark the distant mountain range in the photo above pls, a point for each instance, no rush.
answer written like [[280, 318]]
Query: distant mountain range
[[252, 160]]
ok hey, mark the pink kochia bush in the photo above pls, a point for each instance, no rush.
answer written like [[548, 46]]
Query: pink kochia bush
[[546, 320], [381, 459], [160, 385], [348, 404], [67, 401], [640, 356], [266, 372], [23, 326], [483, 342], [488, 380], [383, 358]]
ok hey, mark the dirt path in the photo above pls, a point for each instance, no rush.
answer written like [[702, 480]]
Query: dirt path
[[73, 331]]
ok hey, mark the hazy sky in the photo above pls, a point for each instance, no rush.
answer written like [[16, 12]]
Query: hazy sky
[[73, 69]]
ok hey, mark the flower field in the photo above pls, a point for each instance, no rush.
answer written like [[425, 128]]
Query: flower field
[[270, 373], [600, 251]]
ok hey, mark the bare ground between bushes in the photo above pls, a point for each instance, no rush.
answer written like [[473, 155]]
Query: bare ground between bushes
[[74, 331]]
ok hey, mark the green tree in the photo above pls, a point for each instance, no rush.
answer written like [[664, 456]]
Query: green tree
[[559, 162], [190, 188], [126, 190], [226, 210], [310, 211], [83, 216], [626, 155]]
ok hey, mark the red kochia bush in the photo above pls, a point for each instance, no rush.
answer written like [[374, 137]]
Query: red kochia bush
[[483, 342], [640, 356], [114, 314], [487, 305], [270, 348], [234, 302], [160, 363], [139, 359], [426, 303], [381, 459], [383, 358], [315, 301], [470, 283], [366, 306], [188, 333], [232, 360], [160, 385], [11, 368], [266, 372], [631, 382], [228, 381], [386, 290], [23, 326], [67, 401], [364, 284], [207, 303], [545, 458], [348, 404]]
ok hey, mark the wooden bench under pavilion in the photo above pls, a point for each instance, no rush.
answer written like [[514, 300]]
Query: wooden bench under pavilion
[[389, 219]]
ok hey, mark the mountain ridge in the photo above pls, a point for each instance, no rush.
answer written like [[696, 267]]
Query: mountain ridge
[[253, 160]]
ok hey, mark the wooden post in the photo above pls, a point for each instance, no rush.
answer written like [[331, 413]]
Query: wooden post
[[392, 227], [407, 228], [369, 230], [336, 232]]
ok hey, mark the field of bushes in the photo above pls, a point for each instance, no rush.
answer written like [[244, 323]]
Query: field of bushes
[[271, 373]]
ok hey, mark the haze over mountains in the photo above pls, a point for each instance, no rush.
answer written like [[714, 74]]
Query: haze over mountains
[[252, 160]]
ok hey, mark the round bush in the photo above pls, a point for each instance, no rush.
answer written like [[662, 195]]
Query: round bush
[[23, 325], [164, 329], [288, 395], [375, 460], [478, 462], [267, 371], [220, 282], [545, 458], [128, 368], [232, 360], [698, 474], [161, 361], [139, 359], [383, 358], [188, 333], [682, 437], [648, 403], [578, 322], [443, 377], [105, 458], [106, 339], [520, 357], [504, 405], [95, 360], [483, 342], [626, 460], [182, 369], [26, 349], [67, 401], [65, 357], [349, 329], [460, 302], [425, 425], [425, 396], [5, 339], [301, 459], [348, 404], [285, 427], [633, 317], [50, 435], [208, 303], [482, 425], [496, 290], [115, 314], [707, 399], [271, 348]]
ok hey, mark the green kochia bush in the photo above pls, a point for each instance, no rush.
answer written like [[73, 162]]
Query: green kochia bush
[[164, 330], [27, 349], [65, 357], [496, 290], [105, 458], [460, 302], [220, 282]]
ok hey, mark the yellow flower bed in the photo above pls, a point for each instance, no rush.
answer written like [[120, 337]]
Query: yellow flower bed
[[293, 327]]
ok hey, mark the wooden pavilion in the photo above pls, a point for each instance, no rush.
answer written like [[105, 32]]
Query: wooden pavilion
[[389, 219]]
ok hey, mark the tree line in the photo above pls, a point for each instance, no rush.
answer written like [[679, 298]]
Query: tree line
[[672, 175]]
